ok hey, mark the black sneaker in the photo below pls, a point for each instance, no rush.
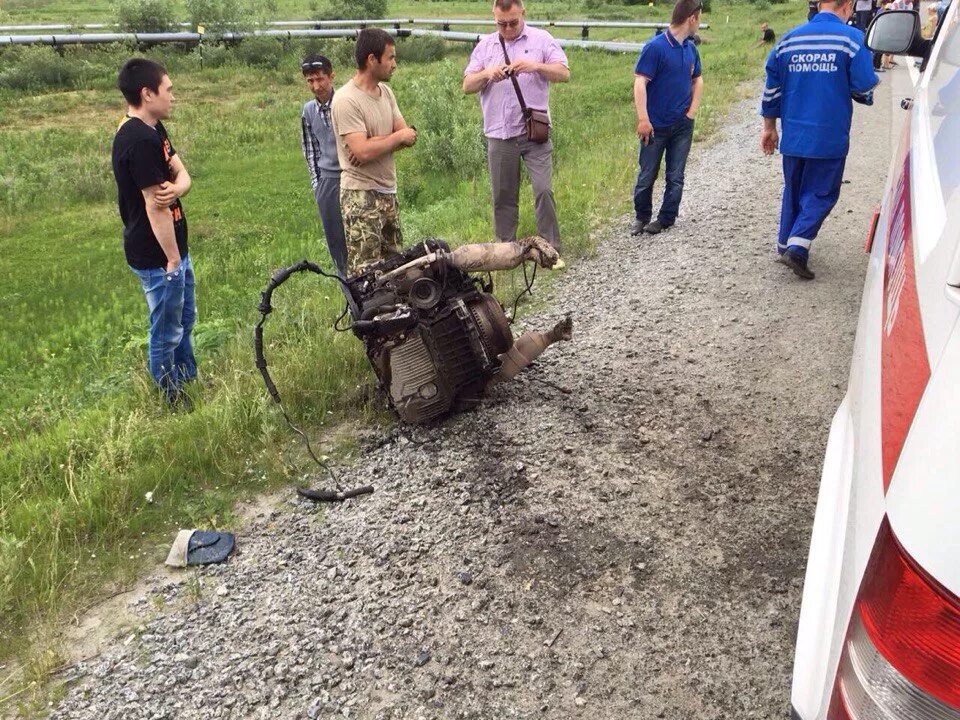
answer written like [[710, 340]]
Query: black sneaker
[[636, 227], [796, 263], [655, 227]]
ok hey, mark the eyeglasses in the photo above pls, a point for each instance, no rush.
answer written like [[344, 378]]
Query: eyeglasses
[[315, 64], [504, 24]]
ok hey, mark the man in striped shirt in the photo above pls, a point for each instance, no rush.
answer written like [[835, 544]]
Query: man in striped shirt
[[814, 74], [320, 152]]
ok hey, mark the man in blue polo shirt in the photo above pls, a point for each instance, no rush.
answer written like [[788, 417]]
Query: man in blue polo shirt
[[666, 92], [814, 74]]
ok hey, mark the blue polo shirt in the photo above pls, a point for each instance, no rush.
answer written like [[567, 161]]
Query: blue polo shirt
[[671, 68]]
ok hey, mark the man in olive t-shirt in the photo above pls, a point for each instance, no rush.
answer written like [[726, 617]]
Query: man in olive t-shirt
[[369, 128]]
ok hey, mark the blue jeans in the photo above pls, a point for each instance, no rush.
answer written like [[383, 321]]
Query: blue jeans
[[173, 311], [674, 141]]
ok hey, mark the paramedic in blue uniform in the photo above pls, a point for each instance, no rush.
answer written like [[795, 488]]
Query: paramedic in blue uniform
[[813, 75], [666, 92]]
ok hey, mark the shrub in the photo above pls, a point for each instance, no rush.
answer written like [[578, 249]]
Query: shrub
[[214, 55], [38, 67], [226, 15], [338, 50], [449, 132], [421, 49], [145, 15], [265, 52], [348, 9]]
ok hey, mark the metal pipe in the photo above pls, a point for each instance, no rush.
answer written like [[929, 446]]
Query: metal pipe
[[318, 24], [178, 37], [100, 38], [193, 38], [562, 42]]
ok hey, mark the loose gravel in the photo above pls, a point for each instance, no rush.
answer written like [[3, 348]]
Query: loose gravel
[[620, 533]]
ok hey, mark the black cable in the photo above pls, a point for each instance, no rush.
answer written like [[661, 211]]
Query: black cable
[[276, 280], [336, 323], [528, 290]]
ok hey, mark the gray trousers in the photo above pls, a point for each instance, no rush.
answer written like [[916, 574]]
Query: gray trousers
[[327, 195], [503, 158]]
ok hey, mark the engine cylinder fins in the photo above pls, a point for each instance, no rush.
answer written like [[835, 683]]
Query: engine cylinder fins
[[492, 321], [425, 293]]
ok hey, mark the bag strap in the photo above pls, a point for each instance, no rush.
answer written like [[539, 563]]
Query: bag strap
[[513, 77]]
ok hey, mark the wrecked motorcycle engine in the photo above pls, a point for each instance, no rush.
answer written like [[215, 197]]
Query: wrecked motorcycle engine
[[432, 332]]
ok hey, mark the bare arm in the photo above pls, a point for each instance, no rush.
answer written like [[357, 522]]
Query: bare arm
[[555, 72], [769, 136], [181, 178], [697, 94], [551, 72], [477, 81], [161, 222], [168, 192], [644, 128], [365, 149]]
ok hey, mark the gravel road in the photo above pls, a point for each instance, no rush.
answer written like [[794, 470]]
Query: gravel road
[[632, 548]]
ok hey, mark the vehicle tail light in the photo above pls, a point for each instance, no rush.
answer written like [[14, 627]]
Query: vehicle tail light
[[901, 656]]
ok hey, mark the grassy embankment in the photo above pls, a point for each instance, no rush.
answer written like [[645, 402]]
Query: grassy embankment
[[82, 436]]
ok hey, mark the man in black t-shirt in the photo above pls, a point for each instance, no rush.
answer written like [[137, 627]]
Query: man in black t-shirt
[[767, 36], [151, 179]]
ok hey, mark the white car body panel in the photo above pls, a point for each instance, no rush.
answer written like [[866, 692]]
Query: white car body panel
[[922, 501]]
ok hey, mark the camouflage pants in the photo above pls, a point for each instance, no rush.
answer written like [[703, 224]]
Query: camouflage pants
[[371, 222]]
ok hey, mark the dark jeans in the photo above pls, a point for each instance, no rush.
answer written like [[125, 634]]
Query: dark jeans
[[327, 195], [173, 312], [674, 141]]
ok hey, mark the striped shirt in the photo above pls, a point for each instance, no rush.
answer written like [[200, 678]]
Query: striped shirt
[[318, 141]]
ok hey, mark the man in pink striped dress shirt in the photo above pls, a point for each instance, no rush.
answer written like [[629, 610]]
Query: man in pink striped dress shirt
[[536, 60]]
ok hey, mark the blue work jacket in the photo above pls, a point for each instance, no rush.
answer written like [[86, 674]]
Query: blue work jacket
[[813, 75]]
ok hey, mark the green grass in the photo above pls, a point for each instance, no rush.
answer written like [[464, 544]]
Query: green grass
[[82, 435]]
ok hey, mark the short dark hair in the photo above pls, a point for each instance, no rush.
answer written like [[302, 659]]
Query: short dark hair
[[314, 62], [684, 10], [371, 41], [507, 4], [137, 74]]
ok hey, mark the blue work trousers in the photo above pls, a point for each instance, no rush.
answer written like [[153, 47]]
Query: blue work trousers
[[171, 302], [811, 187], [673, 141]]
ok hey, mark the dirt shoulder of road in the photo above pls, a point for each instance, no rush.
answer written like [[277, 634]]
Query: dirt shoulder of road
[[632, 548]]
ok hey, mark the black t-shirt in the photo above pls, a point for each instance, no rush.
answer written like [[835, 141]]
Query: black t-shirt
[[141, 156], [768, 36]]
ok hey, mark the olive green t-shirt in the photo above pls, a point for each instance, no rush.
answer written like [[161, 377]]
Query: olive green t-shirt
[[355, 111]]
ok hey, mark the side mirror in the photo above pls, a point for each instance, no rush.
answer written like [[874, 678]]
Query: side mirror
[[896, 32]]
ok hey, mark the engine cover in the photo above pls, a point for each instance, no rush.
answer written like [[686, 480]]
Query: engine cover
[[433, 333]]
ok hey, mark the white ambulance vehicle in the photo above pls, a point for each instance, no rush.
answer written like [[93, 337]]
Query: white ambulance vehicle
[[879, 633]]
